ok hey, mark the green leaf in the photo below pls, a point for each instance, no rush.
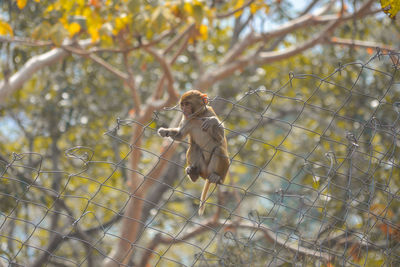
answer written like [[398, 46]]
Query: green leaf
[[41, 32], [198, 13], [58, 33]]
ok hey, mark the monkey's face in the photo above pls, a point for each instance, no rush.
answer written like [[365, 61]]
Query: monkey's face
[[192, 103], [187, 108]]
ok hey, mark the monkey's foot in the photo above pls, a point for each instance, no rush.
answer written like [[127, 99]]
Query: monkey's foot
[[193, 173], [214, 178]]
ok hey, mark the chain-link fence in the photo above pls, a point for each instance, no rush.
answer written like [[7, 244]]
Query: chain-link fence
[[313, 181]]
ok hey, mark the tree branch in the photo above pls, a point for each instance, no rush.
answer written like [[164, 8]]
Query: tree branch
[[230, 13], [24, 41], [222, 71], [167, 72], [179, 37], [33, 65], [130, 82], [293, 25], [358, 43], [109, 67], [158, 92], [259, 59], [270, 236]]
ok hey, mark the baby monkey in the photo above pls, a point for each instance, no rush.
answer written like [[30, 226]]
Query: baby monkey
[[207, 156]]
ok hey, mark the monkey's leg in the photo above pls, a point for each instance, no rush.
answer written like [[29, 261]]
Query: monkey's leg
[[195, 161], [217, 167]]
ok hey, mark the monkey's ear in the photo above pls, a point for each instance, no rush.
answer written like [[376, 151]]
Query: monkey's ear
[[205, 98]]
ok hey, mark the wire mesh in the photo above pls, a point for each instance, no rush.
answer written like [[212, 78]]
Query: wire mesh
[[313, 181]]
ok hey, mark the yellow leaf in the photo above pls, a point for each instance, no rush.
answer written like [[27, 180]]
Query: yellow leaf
[[210, 12], [21, 3], [63, 21], [106, 40], [37, 1], [5, 28], [253, 8], [239, 4], [80, 3], [390, 7], [87, 12], [73, 28], [175, 10], [187, 7], [49, 8], [119, 24], [94, 33], [266, 8], [68, 5], [203, 31], [258, 5]]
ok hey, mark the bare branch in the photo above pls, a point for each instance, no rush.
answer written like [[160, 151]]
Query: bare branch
[[24, 41], [158, 92], [230, 13], [179, 37], [259, 58], [120, 74], [167, 71], [136, 47], [358, 43], [109, 67], [33, 65], [130, 82], [222, 71], [293, 25], [252, 38], [310, 6], [212, 225], [267, 57], [238, 49]]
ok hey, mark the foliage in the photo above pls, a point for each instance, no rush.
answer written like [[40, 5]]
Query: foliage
[[390, 7], [70, 133]]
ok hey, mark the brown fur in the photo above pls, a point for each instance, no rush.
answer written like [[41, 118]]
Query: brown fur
[[207, 156]]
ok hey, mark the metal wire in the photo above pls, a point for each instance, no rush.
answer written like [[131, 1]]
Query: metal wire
[[314, 180]]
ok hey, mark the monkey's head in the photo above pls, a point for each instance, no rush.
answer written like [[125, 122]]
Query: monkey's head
[[193, 102]]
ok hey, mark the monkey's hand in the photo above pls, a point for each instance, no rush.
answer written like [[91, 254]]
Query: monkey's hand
[[209, 122], [163, 132], [174, 133], [193, 172]]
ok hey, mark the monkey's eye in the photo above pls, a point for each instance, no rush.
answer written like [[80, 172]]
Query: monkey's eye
[[184, 104]]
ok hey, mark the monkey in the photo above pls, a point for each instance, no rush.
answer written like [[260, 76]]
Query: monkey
[[207, 156]]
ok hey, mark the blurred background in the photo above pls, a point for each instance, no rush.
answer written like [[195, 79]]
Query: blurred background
[[309, 95]]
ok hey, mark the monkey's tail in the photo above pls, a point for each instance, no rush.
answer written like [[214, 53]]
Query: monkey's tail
[[203, 197]]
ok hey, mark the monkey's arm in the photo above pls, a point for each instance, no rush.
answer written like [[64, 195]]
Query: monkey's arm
[[214, 126], [178, 133]]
